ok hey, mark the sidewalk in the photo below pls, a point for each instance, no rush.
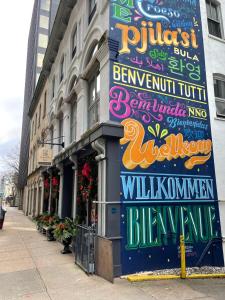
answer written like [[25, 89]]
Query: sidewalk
[[33, 268]]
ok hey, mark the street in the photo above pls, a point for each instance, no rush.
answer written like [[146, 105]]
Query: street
[[33, 268]]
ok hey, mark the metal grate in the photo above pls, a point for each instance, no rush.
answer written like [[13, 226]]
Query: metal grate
[[84, 248]]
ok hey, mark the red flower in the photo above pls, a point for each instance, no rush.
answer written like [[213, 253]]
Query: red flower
[[81, 187], [55, 181], [46, 183], [86, 170]]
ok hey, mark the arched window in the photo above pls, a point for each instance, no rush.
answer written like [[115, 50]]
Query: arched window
[[94, 99], [92, 52], [62, 69], [73, 121], [60, 130], [92, 10], [74, 43]]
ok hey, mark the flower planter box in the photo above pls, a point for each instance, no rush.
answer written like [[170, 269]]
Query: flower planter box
[[50, 234]]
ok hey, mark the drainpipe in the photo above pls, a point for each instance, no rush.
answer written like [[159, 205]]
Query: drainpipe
[[99, 146]]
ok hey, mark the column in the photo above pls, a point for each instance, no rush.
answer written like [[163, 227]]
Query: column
[[50, 190], [42, 195], [73, 158], [60, 167]]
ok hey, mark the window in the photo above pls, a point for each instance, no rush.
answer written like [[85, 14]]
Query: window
[[53, 87], [37, 77], [42, 40], [92, 10], [61, 69], [45, 5], [219, 89], [74, 43], [35, 124], [51, 136], [39, 116], [44, 109], [60, 131], [40, 58], [94, 97], [214, 18], [44, 21], [73, 122]]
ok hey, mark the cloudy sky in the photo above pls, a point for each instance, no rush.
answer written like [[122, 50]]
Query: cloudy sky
[[15, 19]]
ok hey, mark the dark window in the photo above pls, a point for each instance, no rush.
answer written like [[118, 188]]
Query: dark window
[[214, 20], [60, 131], [62, 69], [219, 89], [35, 124], [51, 136], [53, 87], [94, 98], [39, 116], [92, 10], [73, 118], [74, 43], [45, 103]]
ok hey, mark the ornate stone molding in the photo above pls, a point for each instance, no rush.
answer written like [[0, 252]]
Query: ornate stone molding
[[99, 146]]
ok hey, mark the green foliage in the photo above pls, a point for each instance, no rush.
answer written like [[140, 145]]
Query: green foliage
[[65, 229]]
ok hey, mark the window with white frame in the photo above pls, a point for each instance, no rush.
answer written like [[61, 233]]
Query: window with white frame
[[214, 18], [74, 43], [219, 89], [73, 123], [61, 69], [94, 99]]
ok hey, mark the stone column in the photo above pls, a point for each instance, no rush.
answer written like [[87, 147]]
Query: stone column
[[42, 196], [60, 167], [50, 190], [73, 158], [81, 90]]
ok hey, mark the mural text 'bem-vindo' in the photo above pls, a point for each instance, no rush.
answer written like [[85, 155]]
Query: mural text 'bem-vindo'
[[158, 93]]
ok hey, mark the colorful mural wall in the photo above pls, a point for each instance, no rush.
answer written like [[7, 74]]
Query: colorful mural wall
[[158, 92]]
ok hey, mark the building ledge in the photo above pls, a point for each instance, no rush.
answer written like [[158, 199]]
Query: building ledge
[[106, 130]]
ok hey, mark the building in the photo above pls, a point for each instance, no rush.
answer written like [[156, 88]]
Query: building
[[42, 19], [127, 106]]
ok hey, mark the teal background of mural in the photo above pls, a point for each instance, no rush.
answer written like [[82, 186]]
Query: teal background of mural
[[165, 199]]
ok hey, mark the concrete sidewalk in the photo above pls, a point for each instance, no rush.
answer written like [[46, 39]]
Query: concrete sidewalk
[[32, 268]]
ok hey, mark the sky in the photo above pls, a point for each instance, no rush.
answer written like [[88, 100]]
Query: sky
[[15, 17]]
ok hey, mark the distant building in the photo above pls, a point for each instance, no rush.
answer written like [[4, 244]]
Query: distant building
[[44, 12]]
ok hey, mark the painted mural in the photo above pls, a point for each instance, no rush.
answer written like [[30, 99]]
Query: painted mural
[[158, 92]]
